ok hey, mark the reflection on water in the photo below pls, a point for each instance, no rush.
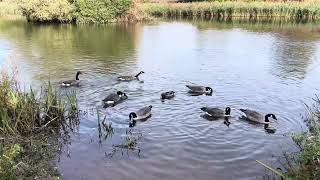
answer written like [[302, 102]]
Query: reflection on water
[[293, 57], [269, 67]]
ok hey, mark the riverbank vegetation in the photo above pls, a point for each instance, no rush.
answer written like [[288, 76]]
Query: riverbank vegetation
[[307, 10], [106, 11], [304, 164], [308, 159], [31, 126], [72, 11]]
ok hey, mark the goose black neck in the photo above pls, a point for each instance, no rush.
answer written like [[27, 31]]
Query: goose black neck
[[138, 74], [266, 119], [77, 76]]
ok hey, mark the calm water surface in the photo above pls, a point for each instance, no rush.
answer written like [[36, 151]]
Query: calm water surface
[[272, 68]]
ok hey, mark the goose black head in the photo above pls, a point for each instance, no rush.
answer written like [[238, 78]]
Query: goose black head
[[209, 90], [132, 115], [77, 75], [150, 107], [270, 115], [204, 109], [119, 93], [141, 72], [228, 110]]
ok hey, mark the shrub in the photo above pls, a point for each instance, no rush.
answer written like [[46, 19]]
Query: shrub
[[47, 10], [81, 11], [100, 11]]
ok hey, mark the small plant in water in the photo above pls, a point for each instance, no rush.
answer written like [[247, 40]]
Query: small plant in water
[[130, 144], [104, 129]]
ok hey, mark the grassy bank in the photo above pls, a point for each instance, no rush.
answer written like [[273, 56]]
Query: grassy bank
[[31, 125], [309, 10], [308, 159]]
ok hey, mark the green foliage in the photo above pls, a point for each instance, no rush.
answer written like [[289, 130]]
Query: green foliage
[[231, 9], [31, 121], [23, 113], [100, 11], [47, 10], [80, 11], [8, 166], [309, 142]]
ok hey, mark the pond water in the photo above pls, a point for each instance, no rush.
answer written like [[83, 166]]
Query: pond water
[[269, 67]]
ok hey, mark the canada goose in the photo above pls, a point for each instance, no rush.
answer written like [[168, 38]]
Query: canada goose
[[167, 95], [130, 78], [141, 114], [216, 112], [114, 99], [200, 89], [73, 82], [256, 117]]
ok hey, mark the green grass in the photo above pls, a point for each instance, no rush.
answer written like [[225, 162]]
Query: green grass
[[308, 159], [232, 9], [9, 8], [31, 124]]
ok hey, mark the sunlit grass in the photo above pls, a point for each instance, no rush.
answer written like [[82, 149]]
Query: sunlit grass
[[30, 125], [305, 10]]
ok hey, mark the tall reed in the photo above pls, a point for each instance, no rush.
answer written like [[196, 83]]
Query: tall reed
[[231, 9], [25, 112], [30, 125]]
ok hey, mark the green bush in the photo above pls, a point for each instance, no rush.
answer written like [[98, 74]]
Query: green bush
[[80, 11], [100, 11], [47, 10]]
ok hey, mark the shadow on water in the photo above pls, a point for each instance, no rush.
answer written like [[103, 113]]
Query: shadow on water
[[226, 120]]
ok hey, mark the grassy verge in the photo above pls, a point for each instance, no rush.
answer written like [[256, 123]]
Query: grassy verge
[[309, 10], [31, 125], [308, 158]]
